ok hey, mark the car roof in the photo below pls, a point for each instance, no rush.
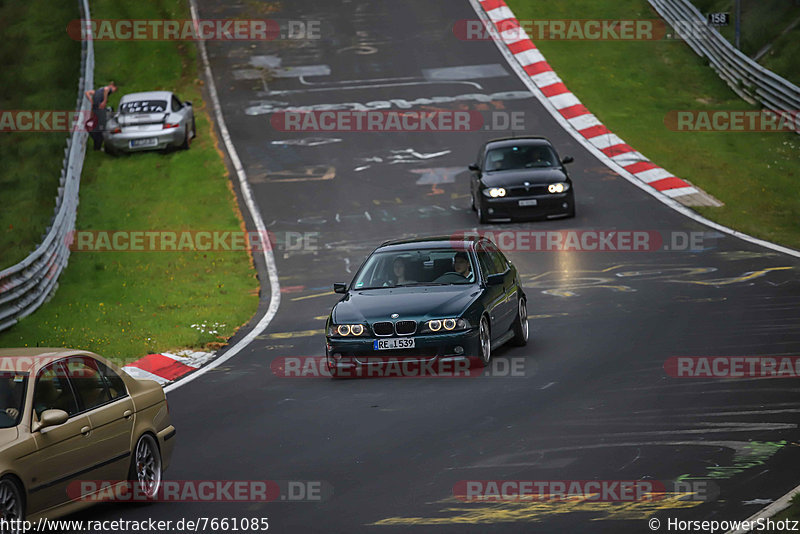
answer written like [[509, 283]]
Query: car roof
[[465, 241], [147, 95], [31, 359], [531, 140]]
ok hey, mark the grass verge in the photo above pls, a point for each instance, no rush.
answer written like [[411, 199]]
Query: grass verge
[[36, 78], [632, 85], [126, 304]]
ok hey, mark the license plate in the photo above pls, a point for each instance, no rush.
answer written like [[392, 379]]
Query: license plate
[[147, 141], [531, 202], [393, 343]]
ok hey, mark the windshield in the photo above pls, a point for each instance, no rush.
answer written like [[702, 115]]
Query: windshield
[[520, 157], [144, 106], [12, 396], [422, 267]]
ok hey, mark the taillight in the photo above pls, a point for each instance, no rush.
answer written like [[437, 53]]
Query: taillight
[[117, 130], [169, 125]]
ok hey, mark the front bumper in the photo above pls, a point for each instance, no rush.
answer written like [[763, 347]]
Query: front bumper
[[432, 353], [547, 206], [121, 142]]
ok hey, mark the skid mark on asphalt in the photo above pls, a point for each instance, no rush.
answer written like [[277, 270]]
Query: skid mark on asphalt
[[566, 283], [458, 512]]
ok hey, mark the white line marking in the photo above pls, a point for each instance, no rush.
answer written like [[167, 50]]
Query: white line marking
[[247, 194], [547, 386], [550, 105]]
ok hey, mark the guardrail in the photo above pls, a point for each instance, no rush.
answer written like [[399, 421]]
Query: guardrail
[[29, 283], [747, 78]]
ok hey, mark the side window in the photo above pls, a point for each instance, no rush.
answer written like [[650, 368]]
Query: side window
[[89, 384], [115, 384], [176, 104], [479, 159], [498, 260], [485, 260], [53, 391]]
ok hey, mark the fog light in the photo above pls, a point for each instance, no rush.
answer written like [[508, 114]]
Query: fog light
[[564, 205], [459, 350], [337, 356], [490, 210]]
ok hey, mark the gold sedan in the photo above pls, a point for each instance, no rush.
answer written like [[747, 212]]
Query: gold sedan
[[68, 417]]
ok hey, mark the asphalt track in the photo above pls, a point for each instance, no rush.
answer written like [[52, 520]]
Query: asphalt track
[[594, 401]]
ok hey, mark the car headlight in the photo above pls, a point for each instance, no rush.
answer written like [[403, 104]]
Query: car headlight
[[494, 192], [449, 324], [347, 330], [559, 187]]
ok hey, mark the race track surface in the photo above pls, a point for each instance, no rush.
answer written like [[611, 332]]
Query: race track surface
[[593, 401]]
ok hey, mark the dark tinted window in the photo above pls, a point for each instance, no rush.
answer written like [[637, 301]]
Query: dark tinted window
[[520, 157], [12, 397], [176, 104], [53, 391], [485, 260], [90, 386], [498, 260], [115, 384]]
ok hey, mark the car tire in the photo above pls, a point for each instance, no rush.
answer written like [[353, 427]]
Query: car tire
[[11, 499], [187, 140], [146, 472], [473, 202], [482, 219], [520, 327], [484, 343]]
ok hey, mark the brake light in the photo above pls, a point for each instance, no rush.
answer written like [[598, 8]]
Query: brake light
[[169, 125], [117, 130]]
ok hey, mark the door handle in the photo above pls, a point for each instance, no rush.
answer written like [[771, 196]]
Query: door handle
[[127, 414], [85, 430]]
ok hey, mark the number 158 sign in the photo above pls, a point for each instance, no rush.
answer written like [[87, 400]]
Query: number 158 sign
[[719, 19]]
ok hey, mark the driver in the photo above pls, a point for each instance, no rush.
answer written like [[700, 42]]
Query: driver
[[399, 269], [461, 264]]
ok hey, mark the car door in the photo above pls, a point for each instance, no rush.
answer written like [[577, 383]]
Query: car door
[[62, 451], [494, 296], [502, 265], [102, 395]]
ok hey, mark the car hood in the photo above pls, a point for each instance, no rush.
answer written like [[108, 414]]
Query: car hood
[[417, 303], [520, 176], [8, 435]]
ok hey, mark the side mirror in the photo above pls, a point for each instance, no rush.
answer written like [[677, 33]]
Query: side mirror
[[51, 418], [567, 159], [339, 288], [474, 167], [187, 103], [495, 279]]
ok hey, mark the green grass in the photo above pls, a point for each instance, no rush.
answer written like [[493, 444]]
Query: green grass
[[791, 514], [35, 78], [126, 304], [631, 86]]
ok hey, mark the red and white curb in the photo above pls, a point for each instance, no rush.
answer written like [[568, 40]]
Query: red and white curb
[[578, 116], [167, 367]]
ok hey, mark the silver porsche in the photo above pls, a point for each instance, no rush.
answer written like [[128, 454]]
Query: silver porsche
[[154, 120]]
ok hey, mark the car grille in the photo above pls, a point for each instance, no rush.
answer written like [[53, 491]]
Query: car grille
[[405, 328], [383, 328], [401, 328], [522, 191]]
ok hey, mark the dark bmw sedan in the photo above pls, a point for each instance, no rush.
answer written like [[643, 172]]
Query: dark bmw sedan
[[519, 178], [426, 300]]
